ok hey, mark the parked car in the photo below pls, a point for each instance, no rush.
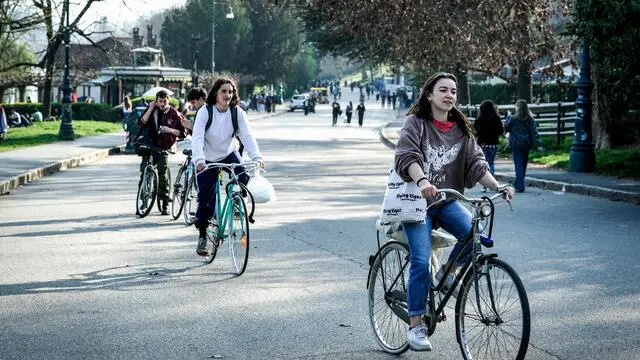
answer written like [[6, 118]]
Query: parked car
[[297, 101]]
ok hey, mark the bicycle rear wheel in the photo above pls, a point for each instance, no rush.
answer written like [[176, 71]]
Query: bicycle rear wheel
[[238, 233], [177, 194], [388, 282], [190, 201], [492, 313], [147, 192]]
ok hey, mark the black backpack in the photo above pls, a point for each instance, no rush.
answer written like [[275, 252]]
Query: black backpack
[[234, 122]]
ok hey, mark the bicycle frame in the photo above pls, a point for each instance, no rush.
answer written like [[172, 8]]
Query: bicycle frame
[[224, 213], [478, 258]]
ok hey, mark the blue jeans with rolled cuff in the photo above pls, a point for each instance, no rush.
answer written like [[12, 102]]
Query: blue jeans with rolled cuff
[[455, 219]]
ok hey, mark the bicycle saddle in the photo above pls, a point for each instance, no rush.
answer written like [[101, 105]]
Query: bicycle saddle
[[187, 152]]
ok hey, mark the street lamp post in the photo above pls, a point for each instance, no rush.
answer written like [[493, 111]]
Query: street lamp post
[[229, 15], [213, 39], [582, 157], [66, 126], [194, 77]]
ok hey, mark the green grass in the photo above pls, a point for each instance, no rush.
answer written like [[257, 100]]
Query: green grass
[[620, 162], [47, 132]]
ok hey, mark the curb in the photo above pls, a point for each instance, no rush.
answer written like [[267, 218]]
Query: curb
[[37, 173], [52, 168], [581, 189]]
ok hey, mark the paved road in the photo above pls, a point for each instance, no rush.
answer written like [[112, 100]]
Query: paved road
[[82, 278]]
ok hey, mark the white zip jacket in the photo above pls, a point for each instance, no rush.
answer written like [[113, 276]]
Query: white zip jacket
[[218, 142]]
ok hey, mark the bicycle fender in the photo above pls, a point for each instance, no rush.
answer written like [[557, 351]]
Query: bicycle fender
[[372, 258]]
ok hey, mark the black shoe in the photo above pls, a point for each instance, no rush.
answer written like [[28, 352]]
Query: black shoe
[[165, 209], [202, 246]]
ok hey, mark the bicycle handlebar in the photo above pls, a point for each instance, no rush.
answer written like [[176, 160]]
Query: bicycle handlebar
[[252, 164], [156, 149], [452, 192]]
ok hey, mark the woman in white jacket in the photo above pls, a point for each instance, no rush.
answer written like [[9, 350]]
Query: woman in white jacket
[[217, 144]]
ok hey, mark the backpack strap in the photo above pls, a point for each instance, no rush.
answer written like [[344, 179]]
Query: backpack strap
[[210, 119], [234, 122]]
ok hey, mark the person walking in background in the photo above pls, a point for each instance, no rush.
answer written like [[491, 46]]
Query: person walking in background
[[127, 108], [335, 112], [349, 112], [360, 110], [4, 127], [522, 135], [488, 128]]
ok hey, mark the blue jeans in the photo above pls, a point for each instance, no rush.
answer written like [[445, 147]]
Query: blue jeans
[[520, 161], [454, 218], [490, 156]]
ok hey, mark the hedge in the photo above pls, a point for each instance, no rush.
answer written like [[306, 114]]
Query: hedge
[[507, 93], [99, 112], [84, 111]]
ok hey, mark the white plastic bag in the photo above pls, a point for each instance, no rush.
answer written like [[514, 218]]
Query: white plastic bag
[[261, 189], [403, 201]]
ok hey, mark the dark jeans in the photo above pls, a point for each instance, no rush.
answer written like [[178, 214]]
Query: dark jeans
[[520, 161], [160, 159], [490, 155], [335, 119], [360, 119], [349, 118], [206, 189]]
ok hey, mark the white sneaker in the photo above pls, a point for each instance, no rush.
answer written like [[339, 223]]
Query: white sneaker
[[418, 338]]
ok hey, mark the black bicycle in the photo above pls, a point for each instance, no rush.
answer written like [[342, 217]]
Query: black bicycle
[[148, 187], [492, 315], [182, 187]]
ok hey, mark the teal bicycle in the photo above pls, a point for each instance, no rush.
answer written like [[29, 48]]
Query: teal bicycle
[[233, 216]]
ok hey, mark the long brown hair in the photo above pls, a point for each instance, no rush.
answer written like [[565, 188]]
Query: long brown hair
[[213, 93], [522, 110], [422, 108]]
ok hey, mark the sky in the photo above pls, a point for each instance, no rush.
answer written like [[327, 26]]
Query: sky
[[121, 12], [121, 16]]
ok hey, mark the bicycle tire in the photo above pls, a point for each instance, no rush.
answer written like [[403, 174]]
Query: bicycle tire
[[190, 202], [389, 329], [162, 203], [147, 191], [177, 195], [507, 328], [238, 235], [213, 242]]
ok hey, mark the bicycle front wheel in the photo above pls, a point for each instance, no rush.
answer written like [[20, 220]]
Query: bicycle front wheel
[[177, 194], [238, 234], [147, 192], [492, 313], [388, 282]]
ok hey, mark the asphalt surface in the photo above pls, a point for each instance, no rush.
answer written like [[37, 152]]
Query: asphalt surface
[[83, 278]]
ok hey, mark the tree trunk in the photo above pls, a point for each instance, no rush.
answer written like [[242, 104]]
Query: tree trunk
[[46, 92], [463, 93], [524, 81], [600, 109]]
